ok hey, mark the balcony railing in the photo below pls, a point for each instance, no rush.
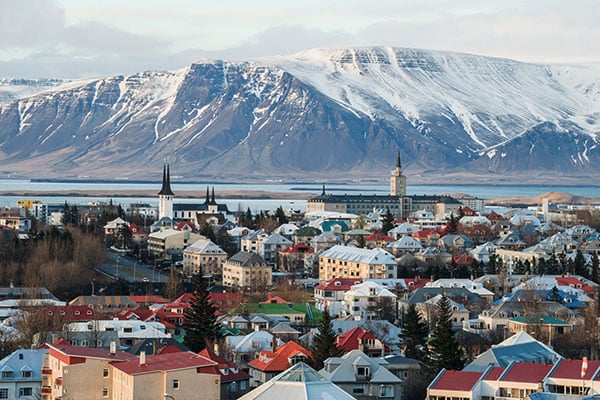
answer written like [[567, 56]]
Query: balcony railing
[[46, 390], [46, 371]]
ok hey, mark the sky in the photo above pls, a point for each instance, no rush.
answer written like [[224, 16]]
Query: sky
[[90, 38]]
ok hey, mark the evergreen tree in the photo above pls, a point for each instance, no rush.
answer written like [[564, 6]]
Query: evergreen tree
[[452, 224], [388, 222], [324, 342], [201, 327], [595, 265], [208, 232], [492, 264], [554, 295], [579, 265], [414, 333], [442, 348], [280, 216]]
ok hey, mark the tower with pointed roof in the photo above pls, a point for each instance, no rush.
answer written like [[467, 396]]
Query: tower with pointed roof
[[165, 196], [397, 179]]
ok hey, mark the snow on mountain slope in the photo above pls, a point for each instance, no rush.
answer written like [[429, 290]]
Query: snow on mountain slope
[[492, 99], [12, 89], [319, 114]]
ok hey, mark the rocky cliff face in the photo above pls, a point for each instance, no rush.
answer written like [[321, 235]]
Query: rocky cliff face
[[321, 114]]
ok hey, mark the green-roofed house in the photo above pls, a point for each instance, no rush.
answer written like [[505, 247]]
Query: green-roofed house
[[296, 313], [548, 326], [306, 234]]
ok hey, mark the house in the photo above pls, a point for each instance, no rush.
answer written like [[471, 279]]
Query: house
[[203, 256], [472, 286], [351, 262], [270, 363], [299, 382], [234, 381], [180, 375], [404, 245], [168, 244], [360, 339], [21, 374], [247, 271], [105, 304], [79, 372], [545, 326], [427, 310], [518, 347], [331, 294], [369, 300], [112, 227], [129, 332], [362, 376], [292, 258], [270, 247], [377, 239], [455, 384], [324, 241], [242, 349]]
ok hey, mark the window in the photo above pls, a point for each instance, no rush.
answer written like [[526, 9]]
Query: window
[[386, 391], [358, 389], [105, 392], [26, 374], [105, 373], [26, 391], [362, 371], [4, 393], [6, 374], [175, 383]]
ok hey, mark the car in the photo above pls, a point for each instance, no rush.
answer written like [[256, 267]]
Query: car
[[145, 279]]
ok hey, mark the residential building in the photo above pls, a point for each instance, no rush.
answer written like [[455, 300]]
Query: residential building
[[247, 271], [299, 382], [270, 247], [128, 332], [21, 374], [203, 255], [352, 262], [241, 349], [168, 244], [362, 376], [360, 339], [331, 294], [270, 363], [179, 375], [234, 381], [369, 300], [74, 372]]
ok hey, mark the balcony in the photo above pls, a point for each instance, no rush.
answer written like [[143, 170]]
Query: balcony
[[46, 371], [58, 381], [46, 390], [363, 378]]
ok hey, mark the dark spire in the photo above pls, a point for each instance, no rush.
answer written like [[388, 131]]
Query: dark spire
[[398, 163], [166, 182], [323, 192], [212, 200], [207, 201]]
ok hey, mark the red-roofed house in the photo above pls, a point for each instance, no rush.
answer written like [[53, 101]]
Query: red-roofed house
[[454, 384], [377, 239], [149, 300], [415, 283], [427, 237], [468, 212], [185, 226], [59, 315], [138, 235], [172, 316], [520, 379], [331, 294], [183, 375], [359, 339], [225, 302], [234, 381], [291, 259], [274, 299], [566, 377], [82, 372], [269, 363], [576, 283]]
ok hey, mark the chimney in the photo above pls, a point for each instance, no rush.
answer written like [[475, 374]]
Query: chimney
[[274, 343], [113, 347], [216, 348], [142, 358]]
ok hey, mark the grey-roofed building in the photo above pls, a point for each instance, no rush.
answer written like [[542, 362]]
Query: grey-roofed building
[[269, 248], [363, 376], [497, 316], [519, 347], [299, 382], [403, 367], [245, 270]]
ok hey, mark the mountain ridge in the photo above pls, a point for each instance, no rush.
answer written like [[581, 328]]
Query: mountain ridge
[[338, 114]]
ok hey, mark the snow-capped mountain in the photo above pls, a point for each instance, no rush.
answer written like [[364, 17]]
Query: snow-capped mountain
[[13, 89], [323, 113]]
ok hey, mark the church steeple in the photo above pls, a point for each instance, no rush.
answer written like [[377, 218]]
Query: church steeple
[[166, 182], [397, 180], [323, 192], [165, 196], [207, 200], [212, 200]]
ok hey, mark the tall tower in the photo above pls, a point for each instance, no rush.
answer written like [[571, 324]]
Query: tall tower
[[397, 180], [165, 196]]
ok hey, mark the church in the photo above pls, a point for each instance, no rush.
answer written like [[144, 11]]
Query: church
[[195, 213], [398, 202]]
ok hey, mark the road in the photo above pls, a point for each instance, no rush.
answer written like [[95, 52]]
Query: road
[[130, 270]]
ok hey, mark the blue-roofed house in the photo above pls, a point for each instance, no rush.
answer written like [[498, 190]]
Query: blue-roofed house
[[519, 347], [22, 374]]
